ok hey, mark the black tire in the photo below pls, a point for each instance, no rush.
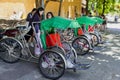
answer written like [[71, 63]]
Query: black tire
[[95, 39], [10, 50], [100, 39], [80, 47], [52, 65]]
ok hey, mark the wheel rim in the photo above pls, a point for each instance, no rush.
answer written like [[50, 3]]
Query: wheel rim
[[70, 54], [10, 50], [68, 34], [81, 46], [52, 65], [95, 40]]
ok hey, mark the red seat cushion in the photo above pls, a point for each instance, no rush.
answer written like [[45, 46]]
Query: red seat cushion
[[80, 31], [53, 40]]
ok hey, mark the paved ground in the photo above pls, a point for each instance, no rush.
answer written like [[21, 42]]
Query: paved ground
[[106, 63]]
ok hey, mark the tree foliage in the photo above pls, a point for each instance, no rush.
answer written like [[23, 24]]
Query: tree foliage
[[102, 6]]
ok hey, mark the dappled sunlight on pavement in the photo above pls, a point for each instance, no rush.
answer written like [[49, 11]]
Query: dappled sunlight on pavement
[[105, 63], [106, 58]]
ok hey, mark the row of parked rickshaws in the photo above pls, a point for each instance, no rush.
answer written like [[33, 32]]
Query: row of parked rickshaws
[[59, 43]]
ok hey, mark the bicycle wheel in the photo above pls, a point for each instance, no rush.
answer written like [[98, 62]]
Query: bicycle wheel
[[68, 34], [95, 39], [52, 64], [99, 36], [10, 50], [70, 52], [81, 45]]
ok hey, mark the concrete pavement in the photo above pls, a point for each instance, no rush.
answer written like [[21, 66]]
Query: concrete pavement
[[106, 63]]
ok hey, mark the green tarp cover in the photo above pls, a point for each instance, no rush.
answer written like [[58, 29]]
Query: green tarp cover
[[74, 24], [59, 22], [86, 20], [98, 19]]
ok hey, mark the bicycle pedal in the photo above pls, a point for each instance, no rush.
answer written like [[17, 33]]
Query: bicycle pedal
[[82, 66]]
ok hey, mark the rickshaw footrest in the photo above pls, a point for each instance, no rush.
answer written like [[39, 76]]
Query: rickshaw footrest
[[82, 66]]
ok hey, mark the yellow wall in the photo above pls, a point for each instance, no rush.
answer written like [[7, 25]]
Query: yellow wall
[[67, 10], [52, 7], [7, 7]]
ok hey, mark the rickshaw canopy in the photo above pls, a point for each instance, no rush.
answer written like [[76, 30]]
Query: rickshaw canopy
[[86, 20], [59, 23], [98, 19]]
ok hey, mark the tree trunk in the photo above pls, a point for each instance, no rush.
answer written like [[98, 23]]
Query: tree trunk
[[59, 12], [38, 3], [87, 1], [103, 11], [46, 3]]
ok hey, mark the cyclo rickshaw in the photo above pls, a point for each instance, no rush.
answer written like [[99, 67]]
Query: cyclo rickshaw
[[55, 57], [86, 34]]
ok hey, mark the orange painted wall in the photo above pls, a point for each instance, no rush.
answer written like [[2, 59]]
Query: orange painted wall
[[52, 7], [67, 10], [7, 7]]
